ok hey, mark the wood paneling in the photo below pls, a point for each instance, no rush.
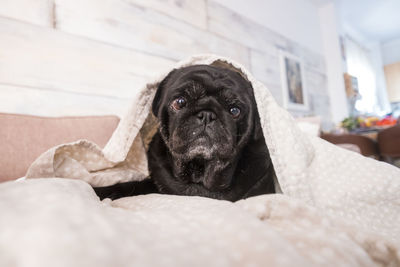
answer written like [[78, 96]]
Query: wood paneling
[[39, 12], [141, 28], [315, 81], [49, 103], [265, 67], [192, 12], [44, 58], [101, 52], [229, 24]]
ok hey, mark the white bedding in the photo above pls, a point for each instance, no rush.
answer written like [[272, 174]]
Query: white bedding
[[337, 208], [61, 222]]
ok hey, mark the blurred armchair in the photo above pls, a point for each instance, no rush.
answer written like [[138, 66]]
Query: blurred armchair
[[367, 146], [389, 143]]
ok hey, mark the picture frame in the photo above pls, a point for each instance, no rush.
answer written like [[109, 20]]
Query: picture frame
[[294, 89]]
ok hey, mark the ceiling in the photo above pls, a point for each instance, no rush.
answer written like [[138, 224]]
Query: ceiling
[[376, 20]]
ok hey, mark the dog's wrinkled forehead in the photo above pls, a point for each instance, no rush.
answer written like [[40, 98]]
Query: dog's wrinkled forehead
[[199, 79], [212, 78]]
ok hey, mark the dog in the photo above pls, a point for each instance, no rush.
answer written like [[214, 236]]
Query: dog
[[209, 141]]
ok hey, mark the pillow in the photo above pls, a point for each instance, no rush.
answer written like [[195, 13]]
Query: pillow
[[23, 138], [309, 125]]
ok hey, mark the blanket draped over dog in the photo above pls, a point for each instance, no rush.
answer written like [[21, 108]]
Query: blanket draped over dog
[[337, 208]]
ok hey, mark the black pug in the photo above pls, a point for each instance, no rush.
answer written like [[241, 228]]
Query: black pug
[[209, 142]]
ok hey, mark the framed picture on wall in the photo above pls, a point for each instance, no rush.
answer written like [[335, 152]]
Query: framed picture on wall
[[293, 82]]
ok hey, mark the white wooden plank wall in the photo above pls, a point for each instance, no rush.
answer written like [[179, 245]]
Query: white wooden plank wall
[[90, 57], [43, 102], [46, 58], [38, 12], [129, 25]]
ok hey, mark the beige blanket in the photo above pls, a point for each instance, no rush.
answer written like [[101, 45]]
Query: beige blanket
[[338, 208]]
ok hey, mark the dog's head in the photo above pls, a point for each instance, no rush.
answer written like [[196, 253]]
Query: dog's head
[[207, 116]]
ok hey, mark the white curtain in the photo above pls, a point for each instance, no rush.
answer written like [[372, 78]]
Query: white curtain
[[359, 64]]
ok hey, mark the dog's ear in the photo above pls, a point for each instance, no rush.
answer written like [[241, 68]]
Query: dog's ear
[[257, 130], [158, 96], [258, 133]]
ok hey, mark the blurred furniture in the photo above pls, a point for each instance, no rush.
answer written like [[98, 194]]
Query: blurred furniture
[[23, 138], [312, 125], [367, 146], [351, 147], [389, 143]]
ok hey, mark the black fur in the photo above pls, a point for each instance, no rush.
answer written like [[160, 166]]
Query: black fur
[[201, 149]]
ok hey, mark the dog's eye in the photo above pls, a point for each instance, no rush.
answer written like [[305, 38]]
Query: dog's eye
[[178, 103], [235, 111]]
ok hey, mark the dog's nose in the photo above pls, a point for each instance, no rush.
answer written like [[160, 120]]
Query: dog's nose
[[206, 116]]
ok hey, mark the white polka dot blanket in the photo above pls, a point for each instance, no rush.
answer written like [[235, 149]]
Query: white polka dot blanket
[[337, 208]]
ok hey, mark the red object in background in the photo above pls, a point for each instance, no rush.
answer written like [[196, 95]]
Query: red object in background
[[387, 121]]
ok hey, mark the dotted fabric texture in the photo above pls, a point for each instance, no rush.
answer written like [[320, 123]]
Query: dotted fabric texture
[[360, 195], [61, 222]]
